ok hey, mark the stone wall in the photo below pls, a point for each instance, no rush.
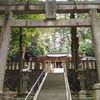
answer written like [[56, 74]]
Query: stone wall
[[11, 79], [91, 78]]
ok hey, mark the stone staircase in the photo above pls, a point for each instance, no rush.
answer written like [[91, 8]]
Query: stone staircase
[[53, 88]]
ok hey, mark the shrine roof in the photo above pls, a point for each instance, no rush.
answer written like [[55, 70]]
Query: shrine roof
[[57, 55]]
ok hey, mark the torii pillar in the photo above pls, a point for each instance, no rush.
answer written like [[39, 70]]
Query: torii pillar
[[96, 37], [4, 45], [96, 41]]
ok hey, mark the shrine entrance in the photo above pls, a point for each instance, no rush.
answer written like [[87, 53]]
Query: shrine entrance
[[50, 8], [55, 63]]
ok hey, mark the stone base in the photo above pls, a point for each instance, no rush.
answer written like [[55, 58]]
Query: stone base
[[1, 95], [7, 95], [96, 88], [82, 95]]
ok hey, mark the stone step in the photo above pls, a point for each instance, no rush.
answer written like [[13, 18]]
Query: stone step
[[53, 88]]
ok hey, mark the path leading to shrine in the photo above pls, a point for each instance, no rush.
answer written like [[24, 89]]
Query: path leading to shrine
[[53, 88]]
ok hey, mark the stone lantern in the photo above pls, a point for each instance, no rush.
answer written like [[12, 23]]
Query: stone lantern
[[81, 77], [25, 77]]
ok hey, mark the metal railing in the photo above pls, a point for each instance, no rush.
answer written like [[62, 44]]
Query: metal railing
[[37, 82], [68, 92]]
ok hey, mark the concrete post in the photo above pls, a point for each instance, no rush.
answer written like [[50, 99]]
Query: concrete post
[[96, 88], [96, 37], [4, 45]]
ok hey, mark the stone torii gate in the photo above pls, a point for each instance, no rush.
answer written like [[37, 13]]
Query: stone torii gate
[[50, 8]]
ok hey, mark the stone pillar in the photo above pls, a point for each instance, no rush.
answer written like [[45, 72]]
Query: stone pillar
[[55, 65], [96, 88], [64, 66], [37, 65], [4, 45], [43, 64], [25, 78], [81, 77], [49, 68], [96, 37]]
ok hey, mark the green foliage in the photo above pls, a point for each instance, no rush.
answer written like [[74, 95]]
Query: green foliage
[[85, 41], [57, 40], [27, 37], [31, 38], [86, 47], [38, 41], [39, 50]]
